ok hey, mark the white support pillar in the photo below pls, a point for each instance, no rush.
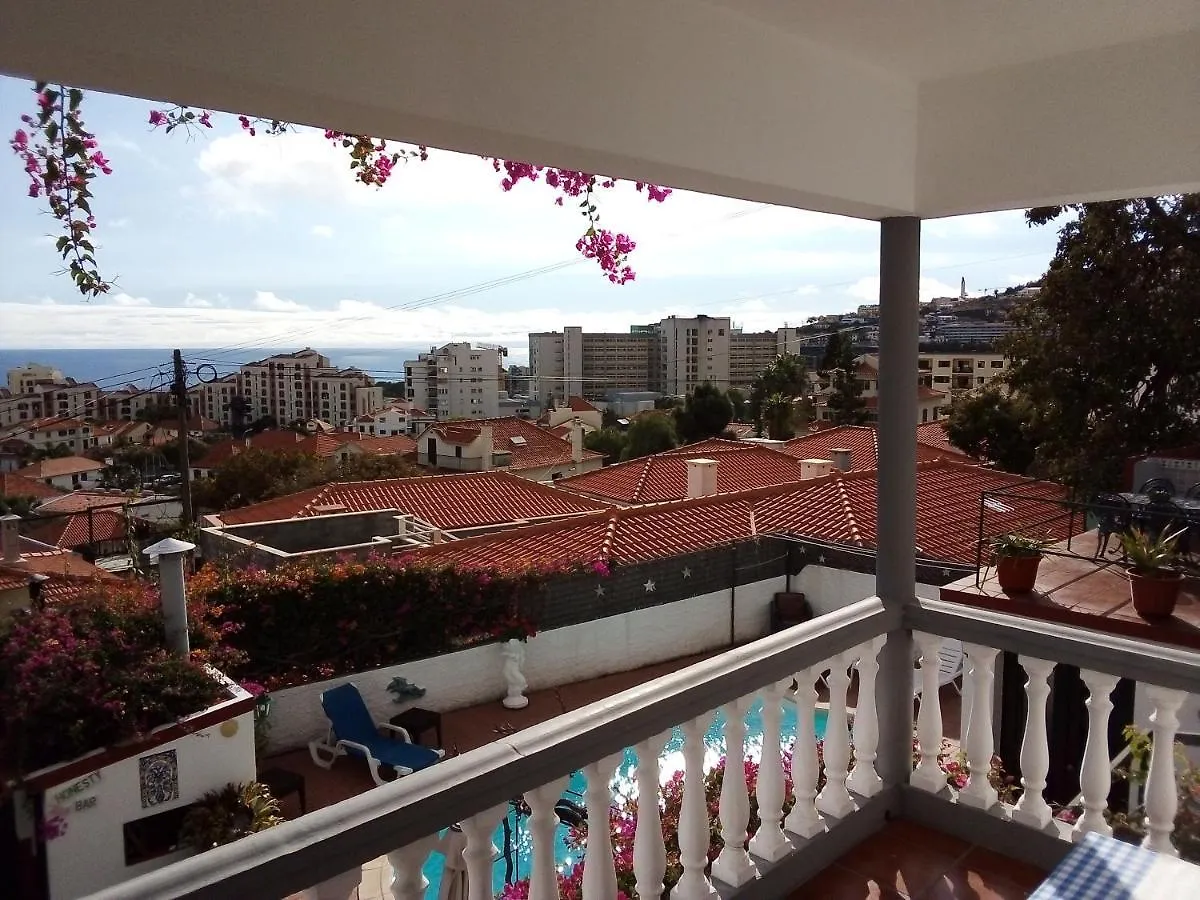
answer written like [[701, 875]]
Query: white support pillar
[[693, 884], [649, 851], [1162, 794], [599, 866], [1032, 809], [864, 780], [408, 881], [543, 878], [980, 742], [1095, 774], [733, 866], [769, 842], [834, 800], [481, 851], [896, 566], [804, 820]]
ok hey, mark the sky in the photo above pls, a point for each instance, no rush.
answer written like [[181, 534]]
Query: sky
[[221, 238]]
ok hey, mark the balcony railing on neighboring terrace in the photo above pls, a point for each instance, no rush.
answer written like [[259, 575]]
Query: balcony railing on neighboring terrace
[[402, 819]]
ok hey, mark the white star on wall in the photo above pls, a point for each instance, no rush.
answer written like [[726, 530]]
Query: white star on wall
[[649, 586], [599, 590], [687, 573], [946, 573], [821, 559]]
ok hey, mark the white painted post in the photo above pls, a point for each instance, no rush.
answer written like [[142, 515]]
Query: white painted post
[[804, 820], [1162, 797], [1032, 809], [864, 780], [172, 590], [928, 776], [1095, 774], [834, 800], [543, 879], [979, 792], [481, 851], [408, 881], [770, 843], [649, 851], [599, 866], [733, 866], [693, 884]]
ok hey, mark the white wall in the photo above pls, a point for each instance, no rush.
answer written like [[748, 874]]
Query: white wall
[[828, 589], [91, 854], [564, 655]]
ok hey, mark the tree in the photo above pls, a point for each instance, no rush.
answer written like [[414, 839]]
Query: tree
[[704, 414], [666, 402], [996, 426], [17, 506], [779, 415], [845, 402], [393, 389], [649, 434], [58, 451], [785, 375], [1106, 353], [737, 400], [610, 441], [608, 418]]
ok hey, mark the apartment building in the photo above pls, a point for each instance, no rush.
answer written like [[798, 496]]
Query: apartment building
[[399, 417], [47, 434], [18, 408], [213, 400], [959, 372], [125, 404], [750, 352], [457, 381], [29, 378]]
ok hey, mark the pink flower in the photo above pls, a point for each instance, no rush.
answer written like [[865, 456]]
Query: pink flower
[[157, 117], [33, 190], [20, 140], [205, 119]]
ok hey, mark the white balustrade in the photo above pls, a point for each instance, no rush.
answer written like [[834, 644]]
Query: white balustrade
[[543, 821], [834, 799], [1095, 774], [693, 884], [733, 865], [770, 843], [1162, 798], [804, 819], [480, 851], [408, 881], [649, 851], [928, 775], [599, 870], [1032, 809], [864, 780], [978, 791]]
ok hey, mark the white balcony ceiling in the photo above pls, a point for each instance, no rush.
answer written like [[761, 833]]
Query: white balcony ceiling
[[860, 107]]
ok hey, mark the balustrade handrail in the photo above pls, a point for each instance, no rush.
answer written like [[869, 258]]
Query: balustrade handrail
[[328, 842], [1143, 661]]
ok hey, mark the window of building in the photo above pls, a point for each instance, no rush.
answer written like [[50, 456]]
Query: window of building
[[997, 364], [153, 836], [943, 363]]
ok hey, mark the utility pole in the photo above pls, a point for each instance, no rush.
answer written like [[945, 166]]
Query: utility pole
[[185, 466]]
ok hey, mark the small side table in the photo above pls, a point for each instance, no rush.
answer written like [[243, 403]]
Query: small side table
[[282, 782], [416, 721]]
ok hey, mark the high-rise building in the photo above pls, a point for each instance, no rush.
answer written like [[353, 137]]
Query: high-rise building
[[29, 378], [457, 381]]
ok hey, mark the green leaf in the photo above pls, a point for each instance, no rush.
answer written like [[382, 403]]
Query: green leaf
[[51, 132], [82, 203], [60, 243], [76, 97]]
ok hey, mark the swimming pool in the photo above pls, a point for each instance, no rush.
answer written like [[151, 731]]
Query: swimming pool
[[520, 843]]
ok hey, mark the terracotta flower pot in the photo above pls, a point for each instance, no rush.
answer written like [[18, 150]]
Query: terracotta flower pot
[[1017, 574], [1154, 593]]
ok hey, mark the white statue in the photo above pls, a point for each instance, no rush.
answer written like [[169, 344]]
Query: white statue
[[514, 658]]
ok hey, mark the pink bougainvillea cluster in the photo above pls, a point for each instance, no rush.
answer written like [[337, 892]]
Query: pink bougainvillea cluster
[[62, 158]]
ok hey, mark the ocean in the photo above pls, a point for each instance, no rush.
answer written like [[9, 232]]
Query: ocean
[[109, 366]]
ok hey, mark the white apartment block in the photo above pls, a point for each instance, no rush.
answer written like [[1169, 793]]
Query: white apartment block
[[124, 404], [18, 408], [959, 372], [29, 378], [457, 381], [47, 434], [212, 400], [398, 417]]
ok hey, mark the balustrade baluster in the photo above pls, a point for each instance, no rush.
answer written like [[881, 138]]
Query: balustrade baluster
[[864, 780], [804, 820], [1032, 809], [543, 821], [834, 799], [979, 792], [1162, 798], [408, 881], [480, 851], [599, 867], [649, 851], [693, 884], [928, 775], [733, 866], [769, 842], [1095, 774]]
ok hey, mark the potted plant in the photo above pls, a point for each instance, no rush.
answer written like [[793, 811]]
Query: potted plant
[[232, 812], [1153, 583], [1016, 557]]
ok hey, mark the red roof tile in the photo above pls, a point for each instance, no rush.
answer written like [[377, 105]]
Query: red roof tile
[[80, 529], [14, 485], [863, 444], [933, 434], [539, 448], [222, 452], [387, 446], [79, 501], [446, 501], [64, 465], [68, 573], [578, 404]]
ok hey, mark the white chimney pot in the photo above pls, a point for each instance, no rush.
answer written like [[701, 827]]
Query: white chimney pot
[[701, 477]]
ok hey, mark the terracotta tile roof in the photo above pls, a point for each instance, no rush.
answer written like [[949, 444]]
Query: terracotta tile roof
[[54, 422], [81, 528], [709, 445], [387, 446], [457, 434], [13, 484], [446, 501], [664, 476], [222, 452], [863, 444], [924, 394], [66, 465], [933, 434], [69, 573], [79, 501], [578, 404], [539, 448], [837, 508]]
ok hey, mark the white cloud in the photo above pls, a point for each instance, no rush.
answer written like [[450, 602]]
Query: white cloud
[[867, 289], [119, 223], [123, 299], [193, 302], [270, 302], [323, 231]]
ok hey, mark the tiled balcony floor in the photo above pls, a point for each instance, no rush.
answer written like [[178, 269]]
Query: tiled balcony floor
[[905, 860]]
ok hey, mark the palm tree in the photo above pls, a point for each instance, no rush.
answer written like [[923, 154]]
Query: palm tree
[[778, 414]]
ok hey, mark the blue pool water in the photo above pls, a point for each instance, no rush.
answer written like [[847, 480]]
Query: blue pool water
[[624, 785]]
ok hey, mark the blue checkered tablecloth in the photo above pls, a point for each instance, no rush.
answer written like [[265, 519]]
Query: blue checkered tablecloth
[[1098, 868]]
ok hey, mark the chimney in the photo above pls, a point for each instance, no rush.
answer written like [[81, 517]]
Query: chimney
[[701, 477], [840, 459], [488, 447], [576, 440], [10, 539], [814, 468], [169, 554]]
